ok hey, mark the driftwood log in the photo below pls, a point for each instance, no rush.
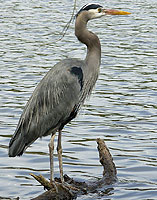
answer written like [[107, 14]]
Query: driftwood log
[[72, 188]]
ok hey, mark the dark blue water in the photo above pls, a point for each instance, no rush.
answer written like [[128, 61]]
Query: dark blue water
[[122, 108]]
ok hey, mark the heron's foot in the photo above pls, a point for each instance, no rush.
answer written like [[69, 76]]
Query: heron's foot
[[67, 186], [71, 189], [53, 183]]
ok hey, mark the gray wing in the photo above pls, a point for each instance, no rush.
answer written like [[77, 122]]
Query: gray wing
[[50, 107]]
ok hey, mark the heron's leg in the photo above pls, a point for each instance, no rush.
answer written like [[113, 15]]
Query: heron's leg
[[59, 150], [51, 150]]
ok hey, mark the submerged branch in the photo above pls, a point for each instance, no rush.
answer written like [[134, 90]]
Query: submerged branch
[[72, 188]]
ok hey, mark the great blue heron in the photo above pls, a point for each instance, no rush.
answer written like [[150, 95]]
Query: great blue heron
[[58, 97]]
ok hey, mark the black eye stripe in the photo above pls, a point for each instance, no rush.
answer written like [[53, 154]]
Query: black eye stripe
[[88, 7], [91, 6]]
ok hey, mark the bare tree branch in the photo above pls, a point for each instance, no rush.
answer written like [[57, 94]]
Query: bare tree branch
[[72, 188]]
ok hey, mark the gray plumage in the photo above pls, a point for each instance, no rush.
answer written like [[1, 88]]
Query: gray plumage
[[60, 94], [58, 97], [55, 101]]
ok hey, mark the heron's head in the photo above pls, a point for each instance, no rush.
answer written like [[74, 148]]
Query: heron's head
[[94, 11]]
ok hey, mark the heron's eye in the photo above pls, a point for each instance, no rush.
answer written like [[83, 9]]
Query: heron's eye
[[99, 10]]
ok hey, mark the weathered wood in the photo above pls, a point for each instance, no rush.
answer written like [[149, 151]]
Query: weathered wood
[[110, 172], [72, 188], [62, 193], [47, 185]]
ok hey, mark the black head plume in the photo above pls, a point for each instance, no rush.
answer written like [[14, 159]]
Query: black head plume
[[88, 7]]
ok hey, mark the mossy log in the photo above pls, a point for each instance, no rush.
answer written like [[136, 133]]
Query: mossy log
[[72, 188]]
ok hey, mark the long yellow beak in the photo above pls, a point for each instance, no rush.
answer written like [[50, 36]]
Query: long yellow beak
[[116, 12]]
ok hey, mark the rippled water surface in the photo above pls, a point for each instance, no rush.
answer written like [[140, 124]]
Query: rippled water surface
[[122, 108]]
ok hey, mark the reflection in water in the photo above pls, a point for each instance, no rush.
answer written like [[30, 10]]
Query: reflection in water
[[122, 109]]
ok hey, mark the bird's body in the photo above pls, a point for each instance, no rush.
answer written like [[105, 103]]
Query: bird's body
[[55, 101], [60, 94]]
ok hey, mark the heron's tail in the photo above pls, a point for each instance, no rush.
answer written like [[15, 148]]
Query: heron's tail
[[17, 145]]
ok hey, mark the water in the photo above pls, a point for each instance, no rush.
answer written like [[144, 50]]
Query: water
[[122, 108]]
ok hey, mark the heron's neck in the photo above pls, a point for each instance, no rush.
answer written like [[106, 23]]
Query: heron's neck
[[91, 40]]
